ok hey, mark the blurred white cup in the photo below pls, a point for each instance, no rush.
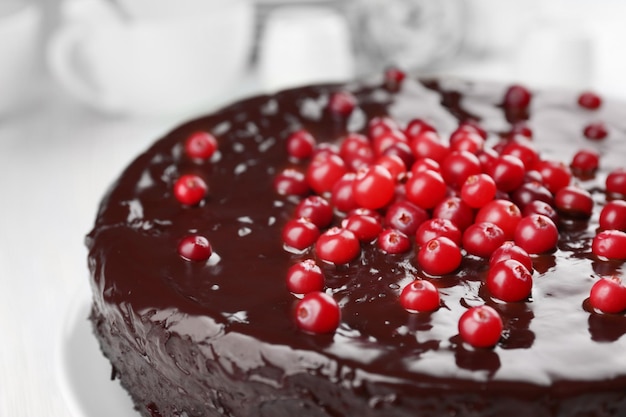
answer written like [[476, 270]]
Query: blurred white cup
[[166, 9], [555, 55], [496, 27], [302, 45], [177, 66], [20, 25]]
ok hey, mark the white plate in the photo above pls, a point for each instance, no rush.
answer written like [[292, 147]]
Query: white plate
[[83, 372]]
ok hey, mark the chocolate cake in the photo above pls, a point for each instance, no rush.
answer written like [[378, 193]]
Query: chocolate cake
[[190, 254]]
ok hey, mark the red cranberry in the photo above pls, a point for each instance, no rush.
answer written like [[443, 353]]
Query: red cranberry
[[342, 194], [379, 125], [517, 97], [317, 312], [325, 149], [433, 228], [487, 158], [324, 172], [478, 190], [531, 191], [439, 256], [300, 233], [464, 139], [459, 165], [201, 145], [393, 241], [482, 239], [481, 327], [317, 209], [533, 176], [541, 207], [305, 277], [455, 210], [508, 172], [574, 202], [426, 189], [394, 164], [616, 181], [608, 295], [509, 250], [613, 215], [373, 187], [418, 126], [555, 174], [342, 103], [609, 244], [190, 189], [585, 161], [425, 164], [300, 144], [351, 145], [502, 213], [595, 131], [394, 78], [401, 150], [509, 281], [387, 139], [472, 125], [291, 182], [405, 217], [360, 211], [337, 246], [420, 296], [522, 149], [195, 248], [589, 100], [428, 145], [536, 234], [400, 193], [366, 228], [363, 158]]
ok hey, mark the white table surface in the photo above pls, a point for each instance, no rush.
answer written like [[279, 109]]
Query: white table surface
[[56, 160]]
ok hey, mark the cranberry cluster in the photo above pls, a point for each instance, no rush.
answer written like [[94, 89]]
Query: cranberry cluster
[[400, 188]]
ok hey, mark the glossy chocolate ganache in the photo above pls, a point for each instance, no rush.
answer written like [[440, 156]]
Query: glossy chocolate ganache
[[219, 337]]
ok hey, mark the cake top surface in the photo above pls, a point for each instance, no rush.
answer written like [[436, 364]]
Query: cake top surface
[[236, 304]]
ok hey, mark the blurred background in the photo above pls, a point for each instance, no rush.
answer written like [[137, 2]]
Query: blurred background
[[125, 57], [85, 85]]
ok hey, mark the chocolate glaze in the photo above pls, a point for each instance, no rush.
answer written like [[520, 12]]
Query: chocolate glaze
[[217, 338]]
